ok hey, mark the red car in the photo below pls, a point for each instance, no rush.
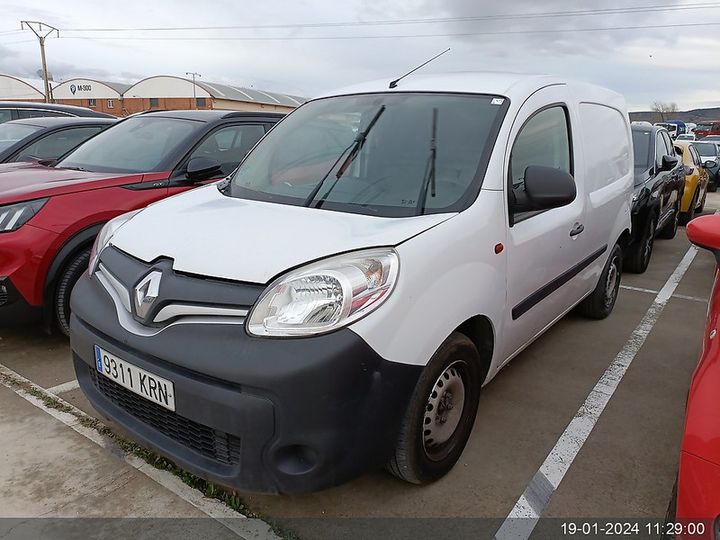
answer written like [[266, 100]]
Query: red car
[[698, 495], [50, 214], [706, 129]]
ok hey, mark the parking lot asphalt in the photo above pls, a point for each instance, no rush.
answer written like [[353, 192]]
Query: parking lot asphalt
[[624, 468]]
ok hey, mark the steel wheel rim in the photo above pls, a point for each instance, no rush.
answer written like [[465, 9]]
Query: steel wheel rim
[[444, 410], [612, 282]]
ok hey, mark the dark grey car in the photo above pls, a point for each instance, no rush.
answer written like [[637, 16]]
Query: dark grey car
[[40, 139]]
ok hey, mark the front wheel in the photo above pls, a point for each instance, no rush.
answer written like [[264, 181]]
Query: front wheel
[[441, 413], [69, 277], [601, 301]]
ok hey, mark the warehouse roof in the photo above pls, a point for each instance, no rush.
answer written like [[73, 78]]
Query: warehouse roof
[[237, 93]]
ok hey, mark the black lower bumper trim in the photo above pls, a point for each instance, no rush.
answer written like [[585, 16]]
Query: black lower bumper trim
[[14, 309]]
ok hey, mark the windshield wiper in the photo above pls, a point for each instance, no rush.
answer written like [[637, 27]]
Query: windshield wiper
[[73, 168], [354, 150], [429, 178]]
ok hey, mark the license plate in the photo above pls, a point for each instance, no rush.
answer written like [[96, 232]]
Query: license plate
[[137, 380]]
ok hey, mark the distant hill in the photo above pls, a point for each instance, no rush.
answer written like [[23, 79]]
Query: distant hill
[[696, 115]]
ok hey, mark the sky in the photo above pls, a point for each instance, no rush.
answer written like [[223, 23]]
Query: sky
[[650, 61]]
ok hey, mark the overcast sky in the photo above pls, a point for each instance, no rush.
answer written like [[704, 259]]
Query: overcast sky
[[679, 64]]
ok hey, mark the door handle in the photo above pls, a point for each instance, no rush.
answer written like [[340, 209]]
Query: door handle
[[577, 229]]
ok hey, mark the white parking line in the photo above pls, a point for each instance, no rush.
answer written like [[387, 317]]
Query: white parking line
[[244, 527], [524, 516], [64, 387], [680, 296]]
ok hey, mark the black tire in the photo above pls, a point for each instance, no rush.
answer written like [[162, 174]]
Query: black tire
[[601, 301], [688, 216], [419, 459], [669, 231], [638, 259], [69, 277], [712, 187]]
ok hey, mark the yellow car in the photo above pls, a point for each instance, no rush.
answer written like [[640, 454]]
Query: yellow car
[[696, 181]]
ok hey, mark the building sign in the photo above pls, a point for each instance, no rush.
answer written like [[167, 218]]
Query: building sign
[[80, 88]]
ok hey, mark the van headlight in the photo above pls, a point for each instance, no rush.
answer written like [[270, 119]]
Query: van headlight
[[14, 216], [325, 295], [104, 236]]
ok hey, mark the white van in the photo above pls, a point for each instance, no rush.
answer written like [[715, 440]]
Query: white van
[[338, 302]]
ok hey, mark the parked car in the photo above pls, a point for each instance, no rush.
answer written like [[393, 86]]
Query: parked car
[[698, 487], [696, 181], [282, 314], [715, 138], [659, 184], [40, 139], [710, 156], [18, 110], [705, 129], [686, 137], [50, 215]]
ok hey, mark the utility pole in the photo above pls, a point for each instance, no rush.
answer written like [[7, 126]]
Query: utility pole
[[193, 79], [42, 31]]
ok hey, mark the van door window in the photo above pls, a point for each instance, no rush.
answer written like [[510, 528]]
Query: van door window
[[544, 140], [5, 115]]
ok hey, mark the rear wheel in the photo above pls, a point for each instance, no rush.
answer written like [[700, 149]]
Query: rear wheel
[[69, 277], [638, 260], [441, 413], [601, 301], [670, 229]]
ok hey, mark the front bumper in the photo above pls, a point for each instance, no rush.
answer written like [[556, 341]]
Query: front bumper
[[13, 307], [24, 261], [271, 415]]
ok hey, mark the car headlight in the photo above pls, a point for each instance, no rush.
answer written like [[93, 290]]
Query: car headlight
[[14, 216], [104, 236], [325, 295]]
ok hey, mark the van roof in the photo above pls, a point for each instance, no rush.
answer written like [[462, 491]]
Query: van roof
[[515, 86]]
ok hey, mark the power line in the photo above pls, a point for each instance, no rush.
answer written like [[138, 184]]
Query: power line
[[538, 15], [401, 36]]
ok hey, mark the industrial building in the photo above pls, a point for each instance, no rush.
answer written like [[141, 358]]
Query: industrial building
[[165, 92], [18, 89]]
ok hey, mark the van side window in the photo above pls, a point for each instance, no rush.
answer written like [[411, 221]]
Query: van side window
[[544, 140]]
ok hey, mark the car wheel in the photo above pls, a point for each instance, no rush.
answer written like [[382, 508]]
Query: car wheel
[[441, 413], [669, 231], [688, 216], [638, 260], [69, 277], [601, 301], [712, 187]]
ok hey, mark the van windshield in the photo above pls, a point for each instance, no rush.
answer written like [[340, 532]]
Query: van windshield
[[392, 155]]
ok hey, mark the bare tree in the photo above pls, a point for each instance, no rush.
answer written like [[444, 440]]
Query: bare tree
[[662, 108]]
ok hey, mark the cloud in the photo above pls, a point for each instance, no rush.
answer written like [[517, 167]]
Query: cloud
[[644, 65]]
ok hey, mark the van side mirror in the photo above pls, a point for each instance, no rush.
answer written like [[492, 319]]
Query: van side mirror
[[202, 168], [710, 163], [669, 163], [546, 188]]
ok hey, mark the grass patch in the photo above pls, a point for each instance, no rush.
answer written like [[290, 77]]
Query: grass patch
[[209, 489]]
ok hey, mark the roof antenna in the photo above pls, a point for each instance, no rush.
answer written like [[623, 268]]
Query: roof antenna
[[394, 83]]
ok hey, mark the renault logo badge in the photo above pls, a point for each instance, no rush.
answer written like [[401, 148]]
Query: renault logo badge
[[146, 292]]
